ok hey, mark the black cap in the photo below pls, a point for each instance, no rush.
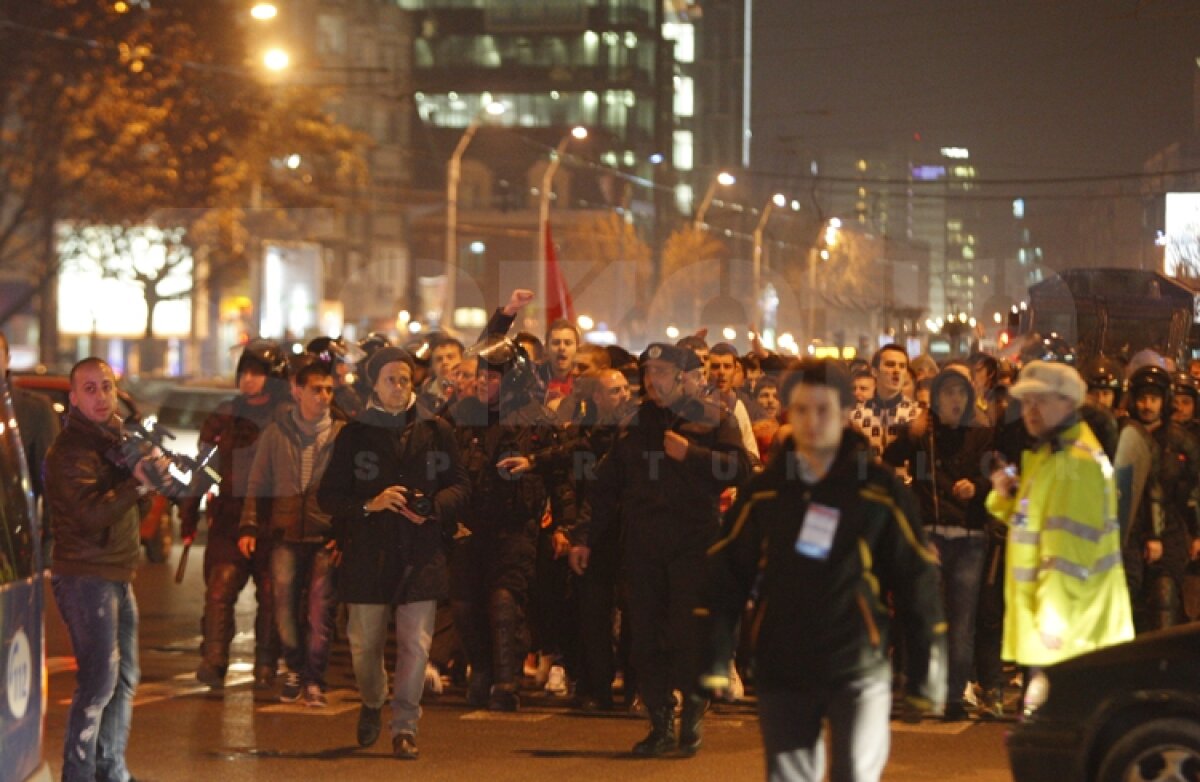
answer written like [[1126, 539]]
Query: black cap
[[684, 359]]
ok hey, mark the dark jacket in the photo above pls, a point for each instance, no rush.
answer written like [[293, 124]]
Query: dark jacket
[[93, 503], [234, 427], [499, 503], [386, 558], [274, 488], [942, 456], [821, 623], [637, 479]]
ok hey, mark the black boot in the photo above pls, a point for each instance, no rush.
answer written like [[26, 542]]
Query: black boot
[[506, 650], [661, 738], [472, 634], [689, 724]]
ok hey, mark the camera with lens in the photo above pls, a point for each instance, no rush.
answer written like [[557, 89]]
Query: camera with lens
[[186, 476], [417, 501]]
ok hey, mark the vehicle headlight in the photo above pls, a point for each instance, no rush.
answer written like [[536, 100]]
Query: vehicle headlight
[[1037, 692]]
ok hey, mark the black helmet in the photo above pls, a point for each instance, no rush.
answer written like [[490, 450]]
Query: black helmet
[[268, 356], [334, 350], [498, 353], [1152, 378], [374, 341], [1185, 384], [1103, 374]]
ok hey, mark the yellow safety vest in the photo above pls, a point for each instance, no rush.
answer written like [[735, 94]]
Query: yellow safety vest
[[1064, 576]]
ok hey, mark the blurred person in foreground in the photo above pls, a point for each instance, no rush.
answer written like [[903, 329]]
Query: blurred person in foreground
[[93, 504], [817, 539], [1064, 584]]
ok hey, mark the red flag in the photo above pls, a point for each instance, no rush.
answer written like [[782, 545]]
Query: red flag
[[558, 295]]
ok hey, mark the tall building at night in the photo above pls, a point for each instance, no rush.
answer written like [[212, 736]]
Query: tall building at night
[[600, 64]]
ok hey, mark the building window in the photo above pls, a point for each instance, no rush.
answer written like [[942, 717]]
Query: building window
[[331, 34], [684, 37], [684, 96], [683, 150], [683, 198]]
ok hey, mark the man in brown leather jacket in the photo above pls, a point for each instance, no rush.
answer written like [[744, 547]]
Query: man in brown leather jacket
[[93, 511]]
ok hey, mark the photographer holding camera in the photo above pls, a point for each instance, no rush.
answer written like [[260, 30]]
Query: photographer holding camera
[[92, 495], [394, 487]]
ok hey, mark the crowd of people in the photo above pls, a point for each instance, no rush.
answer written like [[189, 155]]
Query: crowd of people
[[894, 531]]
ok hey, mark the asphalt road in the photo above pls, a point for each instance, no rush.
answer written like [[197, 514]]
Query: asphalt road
[[183, 731]]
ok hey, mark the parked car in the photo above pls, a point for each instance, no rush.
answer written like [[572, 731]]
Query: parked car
[[22, 611], [1130, 712], [156, 531]]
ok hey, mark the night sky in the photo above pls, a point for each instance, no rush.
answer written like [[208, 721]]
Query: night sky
[[1041, 88]]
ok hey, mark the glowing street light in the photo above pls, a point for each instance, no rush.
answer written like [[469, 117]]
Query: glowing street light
[[723, 179], [585, 323], [672, 332], [729, 332], [577, 133], [264, 12], [276, 59]]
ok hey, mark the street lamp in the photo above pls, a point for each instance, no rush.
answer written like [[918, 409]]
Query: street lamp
[[578, 133], [453, 174], [264, 11], [777, 200], [830, 239], [276, 59], [724, 179]]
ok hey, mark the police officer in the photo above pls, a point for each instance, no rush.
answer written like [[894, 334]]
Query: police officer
[[499, 431], [1166, 519], [664, 477], [1104, 384], [234, 428], [1186, 393]]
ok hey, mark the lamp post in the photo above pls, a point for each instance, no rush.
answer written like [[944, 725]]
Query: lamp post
[[724, 179], [829, 238], [453, 174], [776, 200], [578, 133]]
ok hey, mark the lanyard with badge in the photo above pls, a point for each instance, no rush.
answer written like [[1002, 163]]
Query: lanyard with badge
[[817, 531]]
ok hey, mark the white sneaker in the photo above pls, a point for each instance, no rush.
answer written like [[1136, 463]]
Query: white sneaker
[[556, 682], [433, 680], [737, 690]]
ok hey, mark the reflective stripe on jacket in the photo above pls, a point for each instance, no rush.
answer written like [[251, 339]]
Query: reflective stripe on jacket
[[1064, 577]]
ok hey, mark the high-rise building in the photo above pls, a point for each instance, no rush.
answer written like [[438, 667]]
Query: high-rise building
[[553, 65]]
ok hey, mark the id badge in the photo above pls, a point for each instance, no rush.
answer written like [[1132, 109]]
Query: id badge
[[816, 532]]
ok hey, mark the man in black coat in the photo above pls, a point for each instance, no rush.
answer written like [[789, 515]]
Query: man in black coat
[[664, 477], [394, 487]]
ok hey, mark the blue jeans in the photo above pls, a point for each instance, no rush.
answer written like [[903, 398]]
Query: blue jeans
[[857, 712], [102, 619], [295, 569], [367, 628], [961, 575]]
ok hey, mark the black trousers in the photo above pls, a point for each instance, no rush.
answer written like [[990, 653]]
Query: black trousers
[[666, 565], [226, 573]]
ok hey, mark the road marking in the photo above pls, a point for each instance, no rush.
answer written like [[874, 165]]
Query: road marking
[[503, 716], [340, 702], [934, 727]]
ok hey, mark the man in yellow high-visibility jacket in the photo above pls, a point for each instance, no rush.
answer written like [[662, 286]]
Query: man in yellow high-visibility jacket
[[1065, 586]]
